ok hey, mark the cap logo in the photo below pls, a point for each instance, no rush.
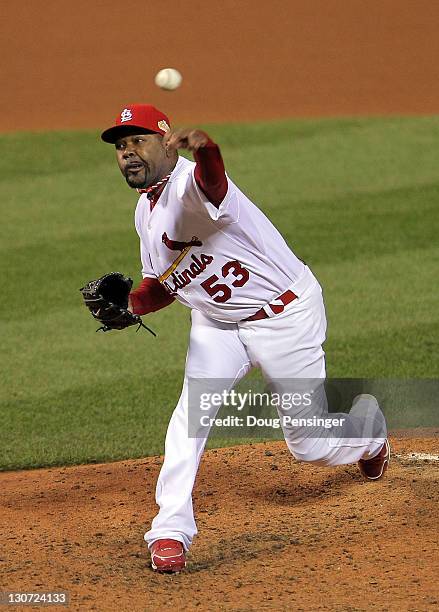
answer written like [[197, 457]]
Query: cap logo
[[126, 115], [163, 125]]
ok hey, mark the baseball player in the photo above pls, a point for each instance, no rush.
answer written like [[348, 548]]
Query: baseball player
[[253, 304]]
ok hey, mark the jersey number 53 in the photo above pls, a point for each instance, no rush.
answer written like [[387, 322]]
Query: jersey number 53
[[220, 292]]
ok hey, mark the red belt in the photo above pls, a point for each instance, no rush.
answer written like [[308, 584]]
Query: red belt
[[285, 299]]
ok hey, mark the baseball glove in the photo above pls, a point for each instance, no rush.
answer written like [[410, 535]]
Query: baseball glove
[[107, 300]]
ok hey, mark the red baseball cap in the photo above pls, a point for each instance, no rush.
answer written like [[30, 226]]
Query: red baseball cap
[[137, 119]]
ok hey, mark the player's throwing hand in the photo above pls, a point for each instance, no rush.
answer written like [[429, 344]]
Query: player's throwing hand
[[186, 138]]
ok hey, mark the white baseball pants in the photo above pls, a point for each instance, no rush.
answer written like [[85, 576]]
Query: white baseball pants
[[286, 346]]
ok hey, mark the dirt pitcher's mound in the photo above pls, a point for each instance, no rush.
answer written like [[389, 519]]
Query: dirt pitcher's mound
[[274, 534]]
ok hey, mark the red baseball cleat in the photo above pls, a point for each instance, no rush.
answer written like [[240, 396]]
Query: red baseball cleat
[[168, 556], [373, 469]]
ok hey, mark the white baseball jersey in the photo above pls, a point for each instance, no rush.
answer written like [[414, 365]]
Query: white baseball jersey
[[226, 262]]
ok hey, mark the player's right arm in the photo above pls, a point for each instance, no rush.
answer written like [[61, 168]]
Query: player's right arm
[[209, 173]]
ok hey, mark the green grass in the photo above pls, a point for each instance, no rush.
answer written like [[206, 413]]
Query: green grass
[[357, 199]]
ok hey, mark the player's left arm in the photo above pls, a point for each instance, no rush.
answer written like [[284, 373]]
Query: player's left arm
[[148, 297], [209, 173]]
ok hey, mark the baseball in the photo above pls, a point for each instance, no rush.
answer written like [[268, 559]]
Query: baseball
[[168, 78]]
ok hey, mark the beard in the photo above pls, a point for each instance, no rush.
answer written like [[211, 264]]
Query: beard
[[137, 180]]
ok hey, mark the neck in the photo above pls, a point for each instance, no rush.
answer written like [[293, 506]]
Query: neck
[[159, 183], [152, 189]]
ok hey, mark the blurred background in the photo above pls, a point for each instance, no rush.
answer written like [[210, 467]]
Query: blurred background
[[71, 65], [327, 116]]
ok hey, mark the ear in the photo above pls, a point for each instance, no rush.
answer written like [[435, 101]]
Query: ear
[[160, 136], [171, 153]]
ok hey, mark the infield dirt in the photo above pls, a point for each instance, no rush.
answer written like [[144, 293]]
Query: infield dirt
[[274, 534], [74, 65]]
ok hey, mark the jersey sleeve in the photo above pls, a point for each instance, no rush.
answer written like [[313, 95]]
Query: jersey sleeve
[[191, 195], [147, 271]]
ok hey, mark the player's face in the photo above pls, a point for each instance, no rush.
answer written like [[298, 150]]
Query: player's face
[[142, 159]]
